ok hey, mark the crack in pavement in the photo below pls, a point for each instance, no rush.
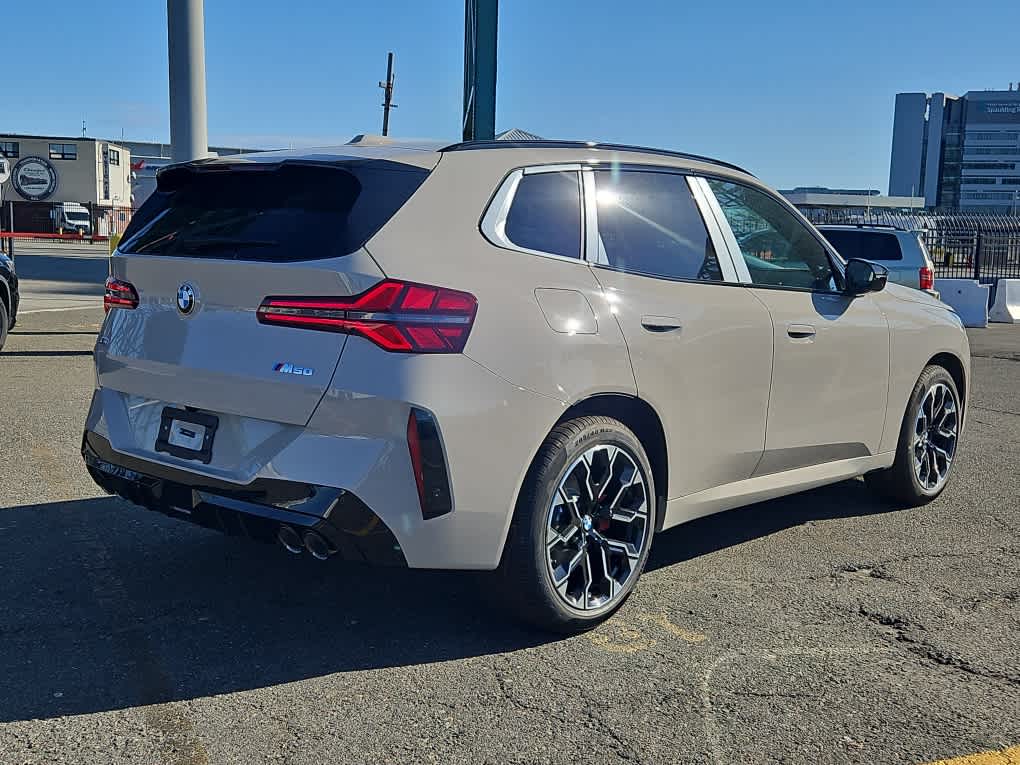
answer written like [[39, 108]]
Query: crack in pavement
[[900, 629]]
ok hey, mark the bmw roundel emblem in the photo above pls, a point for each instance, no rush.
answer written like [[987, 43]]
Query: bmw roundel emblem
[[186, 298]]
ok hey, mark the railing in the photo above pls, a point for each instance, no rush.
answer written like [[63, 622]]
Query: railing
[[962, 245]]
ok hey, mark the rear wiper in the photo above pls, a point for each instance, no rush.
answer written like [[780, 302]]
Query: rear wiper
[[226, 242]]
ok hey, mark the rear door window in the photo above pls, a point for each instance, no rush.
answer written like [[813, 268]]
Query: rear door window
[[869, 245], [276, 213], [650, 224], [545, 215]]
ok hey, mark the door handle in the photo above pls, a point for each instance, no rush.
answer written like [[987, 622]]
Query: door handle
[[800, 331], [661, 323]]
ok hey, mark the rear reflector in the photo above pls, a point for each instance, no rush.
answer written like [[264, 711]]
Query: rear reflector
[[119, 294], [397, 316], [428, 464], [926, 278]]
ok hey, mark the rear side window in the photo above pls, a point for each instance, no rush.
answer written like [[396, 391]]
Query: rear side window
[[869, 245], [545, 214], [649, 224], [276, 213]]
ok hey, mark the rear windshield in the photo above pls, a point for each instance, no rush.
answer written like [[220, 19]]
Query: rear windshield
[[273, 213], [867, 245]]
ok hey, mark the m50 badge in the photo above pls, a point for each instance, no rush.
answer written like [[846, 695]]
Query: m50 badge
[[286, 368]]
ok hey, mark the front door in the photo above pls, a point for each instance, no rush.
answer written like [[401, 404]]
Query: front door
[[831, 360]]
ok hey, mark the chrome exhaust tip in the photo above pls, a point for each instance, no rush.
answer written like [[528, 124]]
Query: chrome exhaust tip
[[290, 540], [317, 545]]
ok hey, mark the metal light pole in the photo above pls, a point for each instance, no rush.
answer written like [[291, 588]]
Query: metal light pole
[[189, 138], [481, 19]]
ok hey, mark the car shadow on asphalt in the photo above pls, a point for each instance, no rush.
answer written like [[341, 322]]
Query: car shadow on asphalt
[[106, 606], [716, 532]]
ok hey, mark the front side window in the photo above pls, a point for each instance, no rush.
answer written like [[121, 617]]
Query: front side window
[[10, 149], [545, 214], [649, 224], [778, 249], [63, 151]]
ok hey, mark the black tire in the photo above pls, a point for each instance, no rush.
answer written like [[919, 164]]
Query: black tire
[[4, 324], [900, 483], [524, 573]]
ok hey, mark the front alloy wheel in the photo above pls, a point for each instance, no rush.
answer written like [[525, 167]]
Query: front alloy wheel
[[936, 429], [927, 444]]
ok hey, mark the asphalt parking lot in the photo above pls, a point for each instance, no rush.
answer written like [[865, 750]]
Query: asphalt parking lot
[[822, 628]]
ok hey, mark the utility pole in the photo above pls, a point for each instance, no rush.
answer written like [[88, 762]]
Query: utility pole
[[388, 98], [189, 137]]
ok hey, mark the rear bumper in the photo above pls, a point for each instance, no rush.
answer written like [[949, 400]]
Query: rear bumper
[[357, 441], [257, 510]]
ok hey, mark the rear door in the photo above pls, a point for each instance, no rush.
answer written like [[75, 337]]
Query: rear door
[[206, 249], [700, 344], [831, 362]]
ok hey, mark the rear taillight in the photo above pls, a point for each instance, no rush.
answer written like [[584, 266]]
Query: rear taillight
[[397, 316], [926, 278], [119, 294]]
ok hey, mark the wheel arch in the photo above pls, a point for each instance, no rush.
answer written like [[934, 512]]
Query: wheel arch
[[642, 418]]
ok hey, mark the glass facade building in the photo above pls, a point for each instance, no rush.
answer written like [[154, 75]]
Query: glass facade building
[[958, 152]]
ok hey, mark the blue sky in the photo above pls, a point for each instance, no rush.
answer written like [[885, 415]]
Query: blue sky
[[797, 91]]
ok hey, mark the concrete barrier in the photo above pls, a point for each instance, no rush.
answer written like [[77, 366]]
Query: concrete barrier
[[1006, 307], [968, 298]]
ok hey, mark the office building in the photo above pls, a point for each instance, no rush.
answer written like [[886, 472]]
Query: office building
[[52, 170], [958, 152]]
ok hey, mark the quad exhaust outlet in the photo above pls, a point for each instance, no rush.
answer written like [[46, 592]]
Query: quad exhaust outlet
[[312, 541]]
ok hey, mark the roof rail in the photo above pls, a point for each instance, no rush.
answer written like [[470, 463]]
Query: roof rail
[[550, 144]]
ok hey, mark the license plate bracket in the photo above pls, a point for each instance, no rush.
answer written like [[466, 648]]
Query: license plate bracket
[[186, 434]]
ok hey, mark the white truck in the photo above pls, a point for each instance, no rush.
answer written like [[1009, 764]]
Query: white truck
[[71, 218]]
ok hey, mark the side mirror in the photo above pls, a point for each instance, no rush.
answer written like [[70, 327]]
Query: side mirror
[[864, 276]]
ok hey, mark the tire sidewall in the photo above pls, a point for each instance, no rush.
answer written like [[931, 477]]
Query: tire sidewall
[[545, 489], [929, 377], [4, 324]]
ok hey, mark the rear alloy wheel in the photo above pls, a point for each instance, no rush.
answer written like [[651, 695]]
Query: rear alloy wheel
[[927, 444], [583, 526]]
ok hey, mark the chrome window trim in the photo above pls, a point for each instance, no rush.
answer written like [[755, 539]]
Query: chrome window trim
[[741, 272], [704, 199], [493, 223], [592, 241]]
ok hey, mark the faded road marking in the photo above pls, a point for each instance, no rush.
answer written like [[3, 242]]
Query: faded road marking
[[661, 620], [1009, 756], [617, 638], [712, 736]]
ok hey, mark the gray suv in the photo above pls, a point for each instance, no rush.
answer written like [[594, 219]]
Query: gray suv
[[902, 252], [530, 357]]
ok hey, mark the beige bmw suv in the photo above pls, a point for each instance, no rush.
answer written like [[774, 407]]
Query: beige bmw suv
[[531, 357]]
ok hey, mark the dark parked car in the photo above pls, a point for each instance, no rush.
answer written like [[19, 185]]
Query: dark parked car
[[8, 297]]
